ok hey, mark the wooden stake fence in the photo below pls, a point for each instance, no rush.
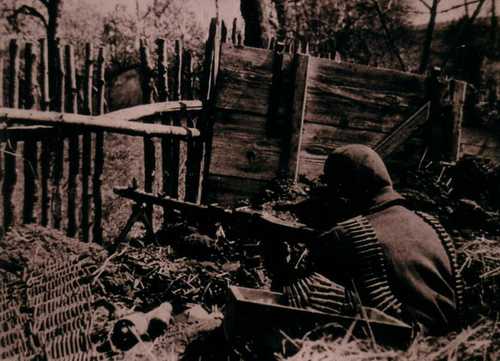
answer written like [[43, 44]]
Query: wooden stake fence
[[58, 184]]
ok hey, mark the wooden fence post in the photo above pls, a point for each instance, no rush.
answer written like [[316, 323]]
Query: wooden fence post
[[292, 140], [149, 147], [99, 149], [459, 94], [173, 182], [45, 155], [211, 69], [56, 104], [223, 32], [30, 145], [87, 140], [187, 76], [435, 128], [194, 147], [163, 95], [11, 146], [234, 31], [73, 150]]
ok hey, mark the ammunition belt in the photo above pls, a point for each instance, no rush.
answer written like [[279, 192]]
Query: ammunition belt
[[373, 269], [57, 314], [449, 247]]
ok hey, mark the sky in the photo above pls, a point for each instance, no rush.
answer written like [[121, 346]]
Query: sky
[[229, 9]]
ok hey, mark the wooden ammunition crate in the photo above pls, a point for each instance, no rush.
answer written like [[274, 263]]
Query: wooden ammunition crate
[[256, 312]]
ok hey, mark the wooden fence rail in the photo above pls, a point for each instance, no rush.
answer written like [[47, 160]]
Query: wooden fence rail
[[60, 154]]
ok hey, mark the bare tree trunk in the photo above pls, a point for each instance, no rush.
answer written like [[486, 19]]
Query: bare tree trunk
[[429, 33], [261, 22]]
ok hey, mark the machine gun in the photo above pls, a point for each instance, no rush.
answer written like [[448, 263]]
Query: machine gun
[[251, 222]]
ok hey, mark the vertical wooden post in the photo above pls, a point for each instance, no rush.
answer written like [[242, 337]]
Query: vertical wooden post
[[99, 149], [73, 150], [87, 140], [11, 146], [45, 155], [57, 171], [234, 31], [290, 156], [173, 180], [459, 94], [223, 36], [30, 146], [149, 148], [192, 170], [178, 70], [192, 161], [272, 127], [161, 70], [163, 95], [435, 128], [210, 72], [187, 76], [239, 39]]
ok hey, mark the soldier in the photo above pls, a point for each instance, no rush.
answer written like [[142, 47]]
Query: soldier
[[396, 260]]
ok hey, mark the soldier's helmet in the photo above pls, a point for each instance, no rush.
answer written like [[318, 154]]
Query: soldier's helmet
[[356, 172]]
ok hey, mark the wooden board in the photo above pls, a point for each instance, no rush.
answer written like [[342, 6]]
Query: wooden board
[[360, 97], [244, 81], [252, 310], [241, 148], [319, 140]]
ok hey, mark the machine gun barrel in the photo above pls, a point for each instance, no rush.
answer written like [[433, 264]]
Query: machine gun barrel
[[257, 223]]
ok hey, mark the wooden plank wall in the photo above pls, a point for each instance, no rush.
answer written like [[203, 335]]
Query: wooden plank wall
[[256, 105], [350, 103], [245, 152]]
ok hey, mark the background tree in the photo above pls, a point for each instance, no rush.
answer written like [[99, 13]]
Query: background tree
[[369, 32], [261, 22], [46, 13], [169, 19]]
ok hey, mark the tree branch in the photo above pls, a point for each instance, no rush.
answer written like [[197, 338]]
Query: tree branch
[[27, 10], [425, 4], [465, 27], [390, 41], [459, 6]]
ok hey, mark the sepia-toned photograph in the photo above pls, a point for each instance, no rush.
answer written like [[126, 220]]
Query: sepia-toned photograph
[[249, 180]]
